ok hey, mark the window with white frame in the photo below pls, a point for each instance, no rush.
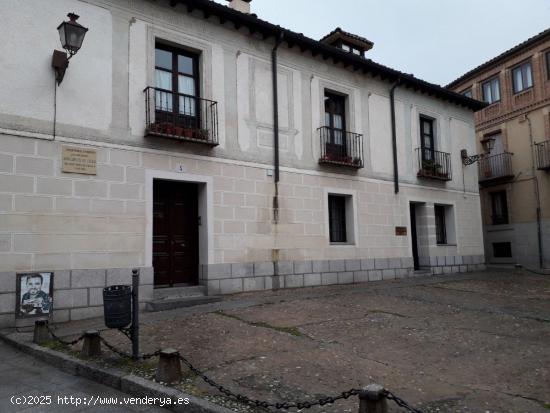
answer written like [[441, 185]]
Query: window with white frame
[[445, 224], [522, 77], [341, 219]]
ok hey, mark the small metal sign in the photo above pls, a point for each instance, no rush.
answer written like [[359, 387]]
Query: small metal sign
[[79, 160], [401, 231]]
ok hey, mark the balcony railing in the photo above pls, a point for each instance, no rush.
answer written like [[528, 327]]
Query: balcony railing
[[542, 151], [496, 168], [434, 164], [340, 147], [180, 116]]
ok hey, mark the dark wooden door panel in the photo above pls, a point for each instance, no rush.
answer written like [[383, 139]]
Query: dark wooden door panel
[[175, 233]]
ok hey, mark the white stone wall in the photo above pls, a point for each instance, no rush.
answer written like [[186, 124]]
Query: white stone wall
[[53, 221]]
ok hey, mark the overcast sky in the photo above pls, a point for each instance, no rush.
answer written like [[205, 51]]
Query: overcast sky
[[436, 40]]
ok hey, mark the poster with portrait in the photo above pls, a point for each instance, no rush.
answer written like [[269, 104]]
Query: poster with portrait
[[34, 295]]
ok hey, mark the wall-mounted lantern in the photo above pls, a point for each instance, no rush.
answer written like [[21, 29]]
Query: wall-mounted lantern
[[71, 35], [487, 144]]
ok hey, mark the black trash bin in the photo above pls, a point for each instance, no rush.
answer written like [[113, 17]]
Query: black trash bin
[[117, 306]]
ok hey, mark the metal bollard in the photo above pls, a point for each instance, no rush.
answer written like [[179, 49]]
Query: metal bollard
[[134, 329], [41, 332], [91, 347], [372, 399], [169, 367]]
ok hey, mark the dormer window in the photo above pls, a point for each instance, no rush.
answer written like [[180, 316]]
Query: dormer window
[[348, 42]]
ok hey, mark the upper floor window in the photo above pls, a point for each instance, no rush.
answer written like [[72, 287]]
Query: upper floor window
[[467, 93], [491, 90], [176, 80], [427, 140], [548, 64], [352, 49], [335, 117], [522, 77]]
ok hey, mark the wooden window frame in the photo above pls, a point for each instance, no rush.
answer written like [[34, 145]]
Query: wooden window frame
[[520, 67], [440, 224], [503, 219], [175, 73], [488, 81], [468, 93], [337, 219], [426, 119]]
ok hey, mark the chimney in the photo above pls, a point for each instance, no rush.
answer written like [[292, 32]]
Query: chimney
[[240, 5]]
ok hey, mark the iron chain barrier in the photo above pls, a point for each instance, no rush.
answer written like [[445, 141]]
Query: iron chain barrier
[[400, 402], [64, 342], [300, 405]]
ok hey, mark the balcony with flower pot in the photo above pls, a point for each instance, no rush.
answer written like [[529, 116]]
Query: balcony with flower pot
[[179, 116], [434, 164], [341, 148]]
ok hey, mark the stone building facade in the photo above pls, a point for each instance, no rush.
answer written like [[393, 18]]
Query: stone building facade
[[514, 176], [208, 184]]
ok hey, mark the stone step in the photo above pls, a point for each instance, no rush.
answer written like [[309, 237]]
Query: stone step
[[179, 292], [181, 302]]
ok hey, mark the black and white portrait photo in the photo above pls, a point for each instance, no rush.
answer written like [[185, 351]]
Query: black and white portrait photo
[[34, 292]]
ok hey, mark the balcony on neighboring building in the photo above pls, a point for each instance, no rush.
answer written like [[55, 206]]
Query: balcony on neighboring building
[[542, 150], [495, 169], [179, 116], [434, 164], [339, 147]]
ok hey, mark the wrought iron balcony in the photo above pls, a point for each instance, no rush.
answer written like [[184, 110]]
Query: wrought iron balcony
[[495, 168], [542, 151], [434, 164], [340, 147], [180, 116]]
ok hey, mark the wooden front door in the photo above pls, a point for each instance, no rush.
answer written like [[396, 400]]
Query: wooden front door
[[175, 233]]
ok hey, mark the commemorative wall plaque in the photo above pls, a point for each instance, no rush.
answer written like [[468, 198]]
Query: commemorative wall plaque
[[401, 231], [78, 160]]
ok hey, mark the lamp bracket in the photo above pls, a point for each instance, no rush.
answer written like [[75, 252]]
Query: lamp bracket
[[60, 62]]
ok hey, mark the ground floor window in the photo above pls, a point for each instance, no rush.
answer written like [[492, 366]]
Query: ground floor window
[[502, 250], [440, 230], [444, 225], [337, 218], [499, 207]]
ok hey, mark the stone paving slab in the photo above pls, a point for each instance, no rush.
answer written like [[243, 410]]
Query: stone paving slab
[[460, 343]]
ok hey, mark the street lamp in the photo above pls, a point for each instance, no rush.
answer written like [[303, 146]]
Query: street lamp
[[71, 35], [488, 145]]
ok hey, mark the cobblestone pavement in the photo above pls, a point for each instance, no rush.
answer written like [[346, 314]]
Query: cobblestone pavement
[[22, 376], [461, 343]]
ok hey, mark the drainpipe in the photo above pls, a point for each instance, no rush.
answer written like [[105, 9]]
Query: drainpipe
[[394, 136], [276, 126], [537, 192]]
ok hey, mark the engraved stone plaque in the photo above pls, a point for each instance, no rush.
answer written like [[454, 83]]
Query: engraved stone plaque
[[79, 160]]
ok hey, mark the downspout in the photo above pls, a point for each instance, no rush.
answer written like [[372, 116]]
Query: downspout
[[276, 126], [394, 136], [537, 193], [276, 283]]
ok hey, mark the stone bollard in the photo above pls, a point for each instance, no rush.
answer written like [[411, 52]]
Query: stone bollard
[[91, 347], [169, 367], [41, 332], [372, 399]]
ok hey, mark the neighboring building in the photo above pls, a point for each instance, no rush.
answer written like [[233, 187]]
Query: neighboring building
[[196, 175], [514, 175]]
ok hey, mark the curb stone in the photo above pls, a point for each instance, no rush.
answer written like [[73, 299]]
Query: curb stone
[[127, 383]]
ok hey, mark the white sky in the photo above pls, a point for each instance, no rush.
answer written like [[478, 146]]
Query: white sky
[[436, 40]]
